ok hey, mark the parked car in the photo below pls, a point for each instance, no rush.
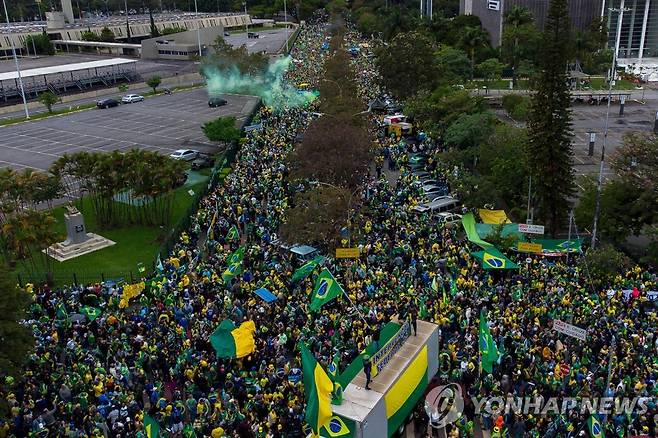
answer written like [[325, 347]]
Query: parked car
[[227, 33], [184, 154], [214, 102], [438, 205], [252, 35], [448, 218], [130, 98], [202, 161], [107, 103]]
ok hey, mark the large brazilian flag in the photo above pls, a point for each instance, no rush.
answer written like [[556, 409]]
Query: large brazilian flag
[[231, 342], [326, 289], [491, 258], [317, 387]]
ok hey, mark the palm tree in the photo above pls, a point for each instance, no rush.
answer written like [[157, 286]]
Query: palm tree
[[515, 20], [473, 38]]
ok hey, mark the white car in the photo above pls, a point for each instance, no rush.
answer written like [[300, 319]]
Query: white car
[[184, 154], [130, 98], [449, 218]]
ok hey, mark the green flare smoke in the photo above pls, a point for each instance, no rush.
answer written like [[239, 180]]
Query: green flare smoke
[[270, 86]]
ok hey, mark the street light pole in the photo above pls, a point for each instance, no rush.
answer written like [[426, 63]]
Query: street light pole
[[18, 68], [198, 27], [125, 5], [611, 79], [285, 18], [246, 19]]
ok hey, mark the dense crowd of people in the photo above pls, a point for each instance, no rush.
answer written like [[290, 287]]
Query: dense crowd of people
[[152, 356]]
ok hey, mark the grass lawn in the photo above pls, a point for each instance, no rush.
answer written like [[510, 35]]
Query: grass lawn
[[46, 114], [134, 244]]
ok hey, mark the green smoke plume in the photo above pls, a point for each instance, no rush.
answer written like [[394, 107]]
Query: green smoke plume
[[269, 85]]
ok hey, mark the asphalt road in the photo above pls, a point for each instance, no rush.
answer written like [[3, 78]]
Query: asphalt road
[[161, 123]]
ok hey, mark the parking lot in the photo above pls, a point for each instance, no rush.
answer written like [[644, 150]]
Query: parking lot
[[161, 123], [269, 40]]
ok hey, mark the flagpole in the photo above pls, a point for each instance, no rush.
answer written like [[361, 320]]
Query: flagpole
[[356, 308]]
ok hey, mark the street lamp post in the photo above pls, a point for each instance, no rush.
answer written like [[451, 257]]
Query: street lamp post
[[611, 79], [246, 19], [198, 28], [125, 5], [18, 68], [285, 18]]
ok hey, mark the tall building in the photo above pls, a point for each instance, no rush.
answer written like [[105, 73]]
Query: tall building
[[638, 35], [492, 13]]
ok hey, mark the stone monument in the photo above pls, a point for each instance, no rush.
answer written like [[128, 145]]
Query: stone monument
[[78, 240]]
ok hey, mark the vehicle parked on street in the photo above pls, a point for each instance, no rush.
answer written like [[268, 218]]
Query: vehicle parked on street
[[448, 218], [215, 102], [202, 161], [184, 154], [107, 103], [130, 98]]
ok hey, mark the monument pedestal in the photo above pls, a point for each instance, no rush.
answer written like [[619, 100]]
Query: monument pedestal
[[78, 241]]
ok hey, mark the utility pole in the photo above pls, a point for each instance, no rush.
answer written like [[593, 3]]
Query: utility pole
[[18, 68], [529, 218], [611, 80]]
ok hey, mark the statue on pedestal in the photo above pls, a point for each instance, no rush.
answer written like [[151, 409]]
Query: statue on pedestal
[[76, 232]]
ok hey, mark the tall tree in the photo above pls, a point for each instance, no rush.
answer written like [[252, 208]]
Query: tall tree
[[472, 39], [550, 153], [16, 339], [519, 38], [407, 64]]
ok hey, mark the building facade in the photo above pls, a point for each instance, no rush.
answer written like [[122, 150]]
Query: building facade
[[140, 27], [637, 37], [492, 13]]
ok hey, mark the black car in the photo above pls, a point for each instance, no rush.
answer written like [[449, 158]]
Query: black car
[[214, 102], [201, 162], [107, 103]]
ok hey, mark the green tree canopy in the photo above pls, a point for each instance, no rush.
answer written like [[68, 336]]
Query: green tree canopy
[[48, 99], [16, 341], [154, 82], [223, 129], [407, 64]]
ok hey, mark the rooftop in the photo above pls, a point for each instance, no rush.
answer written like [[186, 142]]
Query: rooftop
[[112, 20], [65, 68]]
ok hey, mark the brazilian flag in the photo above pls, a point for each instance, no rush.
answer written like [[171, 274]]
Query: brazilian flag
[[233, 233], [594, 427], [306, 269], [326, 289], [336, 427], [333, 366], [189, 432], [91, 313], [488, 349], [151, 427], [317, 388], [232, 271], [60, 312], [231, 342], [236, 257], [493, 259]]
